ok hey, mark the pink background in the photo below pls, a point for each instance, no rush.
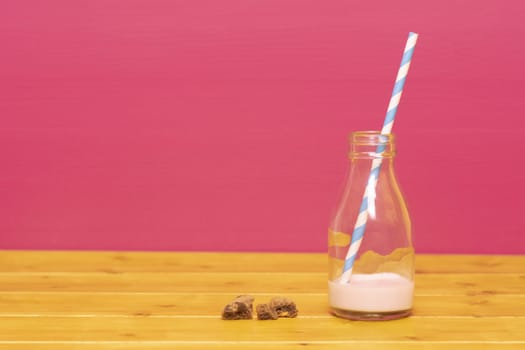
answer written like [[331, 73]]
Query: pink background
[[222, 125]]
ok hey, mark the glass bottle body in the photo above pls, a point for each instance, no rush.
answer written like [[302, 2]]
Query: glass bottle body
[[380, 282]]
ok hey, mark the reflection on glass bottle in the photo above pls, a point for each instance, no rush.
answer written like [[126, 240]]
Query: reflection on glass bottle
[[381, 283]]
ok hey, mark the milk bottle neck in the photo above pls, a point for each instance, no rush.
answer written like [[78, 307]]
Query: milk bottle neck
[[371, 145]]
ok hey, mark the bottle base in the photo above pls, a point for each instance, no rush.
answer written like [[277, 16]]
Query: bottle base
[[370, 316]]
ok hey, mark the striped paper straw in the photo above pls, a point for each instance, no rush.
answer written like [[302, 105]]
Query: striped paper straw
[[360, 225]]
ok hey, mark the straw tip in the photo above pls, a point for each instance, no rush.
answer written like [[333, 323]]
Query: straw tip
[[412, 34]]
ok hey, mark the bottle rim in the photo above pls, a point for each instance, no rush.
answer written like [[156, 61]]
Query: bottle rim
[[370, 144], [371, 138]]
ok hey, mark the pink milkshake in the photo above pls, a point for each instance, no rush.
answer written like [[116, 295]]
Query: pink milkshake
[[377, 293]]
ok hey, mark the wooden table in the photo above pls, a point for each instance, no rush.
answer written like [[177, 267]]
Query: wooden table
[[109, 300]]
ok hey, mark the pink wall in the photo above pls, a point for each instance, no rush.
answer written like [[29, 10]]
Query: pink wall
[[222, 125]]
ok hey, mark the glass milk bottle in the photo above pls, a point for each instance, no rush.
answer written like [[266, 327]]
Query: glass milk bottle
[[371, 258]]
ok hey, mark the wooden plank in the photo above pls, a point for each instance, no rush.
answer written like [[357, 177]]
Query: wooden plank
[[243, 282], [209, 304], [473, 305], [71, 261], [430, 263], [155, 301], [287, 330], [82, 261], [327, 345]]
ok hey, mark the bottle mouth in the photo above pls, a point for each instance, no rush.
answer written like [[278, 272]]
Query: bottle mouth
[[371, 144], [370, 137]]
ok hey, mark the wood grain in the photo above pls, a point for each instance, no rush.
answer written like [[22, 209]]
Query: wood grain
[[164, 345], [82, 304], [301, 329], [106, 300], [114, 262], [245, 282]]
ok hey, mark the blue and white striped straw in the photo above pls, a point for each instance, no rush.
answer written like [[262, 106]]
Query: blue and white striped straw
[[362, 218]]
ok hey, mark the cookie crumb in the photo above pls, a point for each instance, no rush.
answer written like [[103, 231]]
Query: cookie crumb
[[284, 307], [240, 308], [265, 312]]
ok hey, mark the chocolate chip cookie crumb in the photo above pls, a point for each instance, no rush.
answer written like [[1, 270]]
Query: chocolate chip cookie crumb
[[284, 307], [265, 312], [240, 308], [247, 299]]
